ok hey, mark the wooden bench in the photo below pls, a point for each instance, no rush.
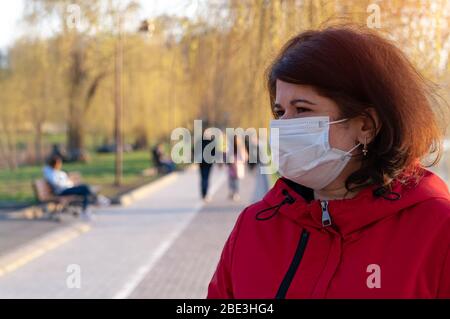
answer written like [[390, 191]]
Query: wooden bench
[[52, 204]]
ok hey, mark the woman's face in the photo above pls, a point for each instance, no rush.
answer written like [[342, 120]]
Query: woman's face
[[294, 101], [58, 165]]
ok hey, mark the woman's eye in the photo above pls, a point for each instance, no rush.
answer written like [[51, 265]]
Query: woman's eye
[[302, 109], [279, 113]]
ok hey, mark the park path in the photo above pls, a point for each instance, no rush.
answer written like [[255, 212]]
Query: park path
[[165, 245]]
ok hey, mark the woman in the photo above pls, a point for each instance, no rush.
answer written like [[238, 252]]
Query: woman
[[355, 215], [236, 167]]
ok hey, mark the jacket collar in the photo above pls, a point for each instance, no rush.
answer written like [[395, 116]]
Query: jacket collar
[[350, 215]]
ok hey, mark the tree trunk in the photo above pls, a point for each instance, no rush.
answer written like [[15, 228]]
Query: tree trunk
[[75, 138], [118, 106], [11, 152], [38, 143]]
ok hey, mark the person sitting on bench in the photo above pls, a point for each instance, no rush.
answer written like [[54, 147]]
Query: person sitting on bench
[[62, 185], [161, 162]]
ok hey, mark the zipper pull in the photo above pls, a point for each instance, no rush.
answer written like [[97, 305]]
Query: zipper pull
[[326, 218]]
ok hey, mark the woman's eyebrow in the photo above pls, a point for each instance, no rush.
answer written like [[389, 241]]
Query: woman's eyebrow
[[301, 101], [293, 102]]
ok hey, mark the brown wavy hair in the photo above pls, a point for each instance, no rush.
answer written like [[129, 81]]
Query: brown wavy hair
[[359, 69]]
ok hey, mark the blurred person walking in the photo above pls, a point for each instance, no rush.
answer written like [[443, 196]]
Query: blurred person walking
[[206, 160], [236, 160]]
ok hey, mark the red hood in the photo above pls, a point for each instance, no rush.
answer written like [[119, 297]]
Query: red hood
[[349, 215]]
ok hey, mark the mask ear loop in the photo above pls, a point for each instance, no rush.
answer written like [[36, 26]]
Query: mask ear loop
[[327, 123], [338, 121], [354, 147], [350, 151]]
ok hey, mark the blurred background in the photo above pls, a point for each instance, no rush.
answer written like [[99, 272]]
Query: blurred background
[[101, 82]]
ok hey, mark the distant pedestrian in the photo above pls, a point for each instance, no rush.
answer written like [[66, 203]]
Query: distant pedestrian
[[236, 159], [251, 146], [205, 165]]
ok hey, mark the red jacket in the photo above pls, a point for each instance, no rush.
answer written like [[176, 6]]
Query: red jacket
[[376, 245]]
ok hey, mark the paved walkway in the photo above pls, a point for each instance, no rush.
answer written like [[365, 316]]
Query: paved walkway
[[165, 245], [17, 232], [187, 267]]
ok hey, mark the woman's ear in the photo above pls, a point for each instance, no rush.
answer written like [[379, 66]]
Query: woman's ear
[[369, 126]]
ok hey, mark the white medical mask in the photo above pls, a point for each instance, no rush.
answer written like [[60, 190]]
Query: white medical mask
[[304, 154]]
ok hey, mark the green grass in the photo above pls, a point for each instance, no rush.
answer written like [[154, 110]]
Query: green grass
[[15, 186]]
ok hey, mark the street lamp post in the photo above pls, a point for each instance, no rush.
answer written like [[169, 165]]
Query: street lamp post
[[118, 102], [118, 95]]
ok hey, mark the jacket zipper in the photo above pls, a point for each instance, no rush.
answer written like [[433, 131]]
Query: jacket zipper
[[326, 218], [287, 280]]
